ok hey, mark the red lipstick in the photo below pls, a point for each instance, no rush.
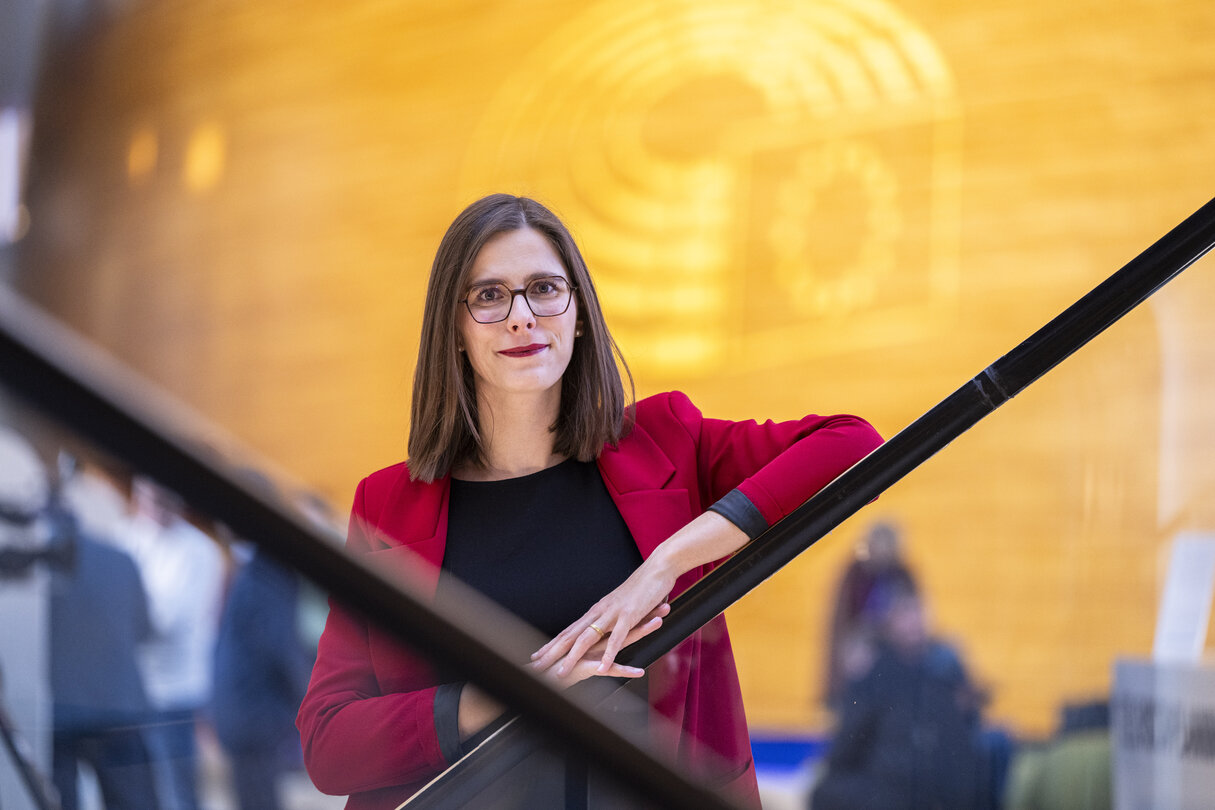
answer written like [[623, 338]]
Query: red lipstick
[[524, 351]]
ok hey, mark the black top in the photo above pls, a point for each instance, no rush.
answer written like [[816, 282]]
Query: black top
[[545, 546]]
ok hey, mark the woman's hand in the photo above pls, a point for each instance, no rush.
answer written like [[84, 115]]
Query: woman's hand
[[636, 608], [477, 709], [576, 655], [631, 611]]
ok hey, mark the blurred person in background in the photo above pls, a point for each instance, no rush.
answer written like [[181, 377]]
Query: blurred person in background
[[183, 571], [261, 671], [532, 479], [263, 659], [98, 495], [1073, 770], [909, 735], [877, 569], [98, 619]]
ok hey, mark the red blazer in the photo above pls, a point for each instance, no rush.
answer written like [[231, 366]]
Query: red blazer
[[367, 721]]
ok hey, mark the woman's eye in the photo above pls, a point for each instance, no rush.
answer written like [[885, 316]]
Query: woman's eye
[[546, 287], [487, 295]]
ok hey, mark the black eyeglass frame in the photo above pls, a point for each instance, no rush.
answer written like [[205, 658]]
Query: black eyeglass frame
[[573, 288]]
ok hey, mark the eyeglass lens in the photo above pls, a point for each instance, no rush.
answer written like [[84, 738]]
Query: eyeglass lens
[[489, 303]]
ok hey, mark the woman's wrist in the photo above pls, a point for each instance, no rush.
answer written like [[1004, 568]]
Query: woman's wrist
[[476, 711], [706, 539], [666, 562]]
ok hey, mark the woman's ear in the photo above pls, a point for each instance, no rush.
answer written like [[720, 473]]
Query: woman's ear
[[577, 328]]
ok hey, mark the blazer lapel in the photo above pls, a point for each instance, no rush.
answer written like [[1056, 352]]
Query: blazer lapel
[[638, 473], [414, 529]]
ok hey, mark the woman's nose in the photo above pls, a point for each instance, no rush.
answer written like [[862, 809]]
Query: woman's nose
[[521, 315]]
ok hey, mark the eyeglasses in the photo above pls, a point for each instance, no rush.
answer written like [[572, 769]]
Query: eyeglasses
[[491, 303]]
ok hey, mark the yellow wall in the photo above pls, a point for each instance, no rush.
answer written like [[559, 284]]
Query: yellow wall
[[827, 205]]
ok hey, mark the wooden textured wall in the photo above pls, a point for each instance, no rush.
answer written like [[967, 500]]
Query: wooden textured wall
[[825, 205]]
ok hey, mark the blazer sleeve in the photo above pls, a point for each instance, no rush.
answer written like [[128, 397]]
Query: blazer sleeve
[[355, 736], [776, 465]]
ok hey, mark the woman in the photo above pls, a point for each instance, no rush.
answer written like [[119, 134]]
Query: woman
[[520, 433]]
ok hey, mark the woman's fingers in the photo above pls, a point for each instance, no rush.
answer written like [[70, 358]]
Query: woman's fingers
[[625, 630], [589, 668], [576, 638], [583, 642], [554, 646], [623, 635], [613, 617], [560, 645], [591, 664], [588, 634]]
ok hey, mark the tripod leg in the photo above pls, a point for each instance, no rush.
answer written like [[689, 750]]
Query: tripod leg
[[43, 795]]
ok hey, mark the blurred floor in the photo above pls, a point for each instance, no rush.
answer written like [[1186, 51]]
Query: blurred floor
[[786, 790], [216, 784]]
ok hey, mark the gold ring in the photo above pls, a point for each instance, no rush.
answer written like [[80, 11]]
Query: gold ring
[[595, 627]]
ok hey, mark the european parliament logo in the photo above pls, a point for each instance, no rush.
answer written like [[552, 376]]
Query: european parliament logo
[[753, 183]]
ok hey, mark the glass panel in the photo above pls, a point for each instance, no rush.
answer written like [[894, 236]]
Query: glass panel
[[1027, 614], [152, 657], [1063, 627]]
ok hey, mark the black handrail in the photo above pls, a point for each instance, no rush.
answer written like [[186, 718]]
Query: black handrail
[[869, 477], [64, 377]]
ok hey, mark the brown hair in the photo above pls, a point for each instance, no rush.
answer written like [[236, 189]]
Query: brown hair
[[443, 429]]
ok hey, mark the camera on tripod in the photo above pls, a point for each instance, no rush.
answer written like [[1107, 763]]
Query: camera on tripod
[[34, 528]]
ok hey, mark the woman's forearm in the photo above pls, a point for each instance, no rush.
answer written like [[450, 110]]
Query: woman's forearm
[[705, 539]]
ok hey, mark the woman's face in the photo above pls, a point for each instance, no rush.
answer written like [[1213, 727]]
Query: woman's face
[[523, 354]]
